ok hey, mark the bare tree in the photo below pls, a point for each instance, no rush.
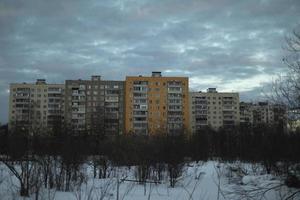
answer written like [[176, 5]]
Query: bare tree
[[286, 89], [47, 194], [100, 191], [193, 181], [28, 173], [249, 181]]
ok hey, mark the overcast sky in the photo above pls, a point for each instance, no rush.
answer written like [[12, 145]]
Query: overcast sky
[[234, 45]]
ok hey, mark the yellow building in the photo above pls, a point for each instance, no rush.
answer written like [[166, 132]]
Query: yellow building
[[156, 104]]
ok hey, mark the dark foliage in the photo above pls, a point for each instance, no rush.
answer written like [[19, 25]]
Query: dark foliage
[[58, 158], [260, 143]]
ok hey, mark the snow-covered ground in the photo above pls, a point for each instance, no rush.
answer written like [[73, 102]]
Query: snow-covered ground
[[203, 180]]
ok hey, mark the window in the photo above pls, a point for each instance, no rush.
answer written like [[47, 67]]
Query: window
[[143, 106]]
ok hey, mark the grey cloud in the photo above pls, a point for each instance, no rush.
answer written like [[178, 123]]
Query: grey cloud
[[64, 39]]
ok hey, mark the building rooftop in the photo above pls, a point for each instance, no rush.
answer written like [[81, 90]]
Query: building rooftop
[[212, 90]]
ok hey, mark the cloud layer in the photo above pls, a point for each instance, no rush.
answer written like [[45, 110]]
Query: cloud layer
[[231, 44]]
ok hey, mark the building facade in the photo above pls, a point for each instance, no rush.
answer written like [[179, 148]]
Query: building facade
[[95, 106], [263, 113], [246, 113], [143, 105], [36, 107], [156, 104], [213, 109], [294, 119]]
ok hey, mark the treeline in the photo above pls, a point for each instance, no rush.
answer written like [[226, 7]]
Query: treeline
[[59, 159], [246, 143]]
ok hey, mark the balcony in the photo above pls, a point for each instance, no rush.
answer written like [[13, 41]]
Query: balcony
[[175, 102], [175, 120], [140, 83], [140, 125], [174, 84], [228, 122], [174, 96], [115, 99], [139, 107], [140, 95], [175, 109], [225, 108], [202, 122], [228, 117], [176, 90]]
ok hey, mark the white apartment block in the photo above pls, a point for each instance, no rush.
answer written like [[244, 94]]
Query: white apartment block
[[214, 109], [36, 107]]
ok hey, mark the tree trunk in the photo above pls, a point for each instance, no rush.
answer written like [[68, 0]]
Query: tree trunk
[[24, 192]]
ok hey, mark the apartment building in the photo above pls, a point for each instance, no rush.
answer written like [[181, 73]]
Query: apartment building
[[156, 104], [95, 106], [294, 119], [246, 113], [262, 113], [214, 109], [36, 107]]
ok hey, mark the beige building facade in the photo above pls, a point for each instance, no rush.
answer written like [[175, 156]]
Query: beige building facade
[[37, 107], [213, 109]]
